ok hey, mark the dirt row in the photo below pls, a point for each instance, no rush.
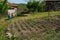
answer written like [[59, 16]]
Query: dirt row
[[35, 26]]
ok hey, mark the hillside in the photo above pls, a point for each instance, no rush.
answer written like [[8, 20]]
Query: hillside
[[32, 28]]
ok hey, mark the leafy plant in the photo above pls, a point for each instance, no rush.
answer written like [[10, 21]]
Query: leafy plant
[[4, 7]]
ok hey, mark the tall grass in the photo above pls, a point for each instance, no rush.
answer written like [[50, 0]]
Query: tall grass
[[42, 14]]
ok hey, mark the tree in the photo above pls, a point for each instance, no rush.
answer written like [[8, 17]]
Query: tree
[[36, 5], [41, 6], [32, 5], [0, 6], [3, 7]]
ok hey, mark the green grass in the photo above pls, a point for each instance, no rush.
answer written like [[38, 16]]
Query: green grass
[[2, 28], [42, 14], [37, 15]]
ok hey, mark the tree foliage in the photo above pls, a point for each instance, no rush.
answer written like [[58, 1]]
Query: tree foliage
[[3, 6], [36, 5]]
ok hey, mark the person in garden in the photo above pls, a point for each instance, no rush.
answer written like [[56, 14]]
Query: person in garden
[[12, 12], [9, 14]]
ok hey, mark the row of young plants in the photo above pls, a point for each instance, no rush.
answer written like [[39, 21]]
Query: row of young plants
[[40, 29]]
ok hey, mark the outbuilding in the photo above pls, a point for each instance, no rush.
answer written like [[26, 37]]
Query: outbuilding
[[52, 5]]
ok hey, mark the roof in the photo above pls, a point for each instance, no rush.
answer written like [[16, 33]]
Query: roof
[[11, 4], [52, 0], [0, 0]]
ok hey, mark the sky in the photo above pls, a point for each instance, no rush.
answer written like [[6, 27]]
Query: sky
[[18, 1]]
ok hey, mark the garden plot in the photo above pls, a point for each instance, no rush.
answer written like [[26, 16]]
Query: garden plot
[[32, 27]]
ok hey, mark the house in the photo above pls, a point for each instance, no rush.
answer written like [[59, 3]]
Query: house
[[12, 5], [52, 5]]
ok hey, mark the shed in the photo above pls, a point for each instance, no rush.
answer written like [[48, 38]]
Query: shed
[[52, 5]]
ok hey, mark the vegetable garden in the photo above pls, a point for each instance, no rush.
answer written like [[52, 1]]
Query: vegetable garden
[[35, 29]]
